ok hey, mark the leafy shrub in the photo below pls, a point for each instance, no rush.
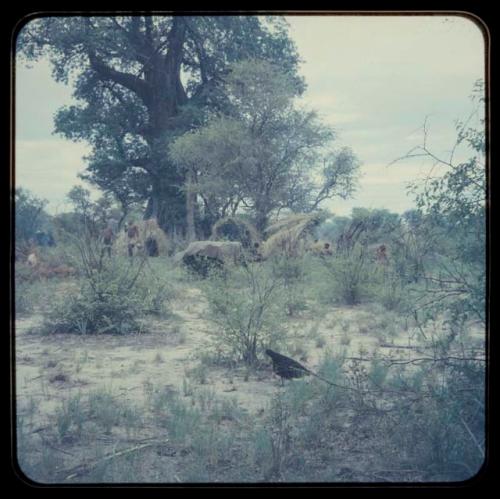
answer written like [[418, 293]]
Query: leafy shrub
[[112, 298], [349, 272], [245, 304], [443, 432], [291, 273]]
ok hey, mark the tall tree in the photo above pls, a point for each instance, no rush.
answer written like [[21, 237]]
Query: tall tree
[[139, 82], [265, 153]]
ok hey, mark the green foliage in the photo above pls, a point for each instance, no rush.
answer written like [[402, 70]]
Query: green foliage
[[246, 306], [390, 289], [378, 372], [199, 374], [348, 274], [298, 395], [88, 217], [292, 274], [25, 297], [99, 407], [444, 432], [182, 421], [332, 227], [30, 216], [32, 293], [107, 410], [423, 420], [101, 306], [121, 115], [454, 199], [273, 442], [114, 292], [378, 224], [111, 299], [263, 153]]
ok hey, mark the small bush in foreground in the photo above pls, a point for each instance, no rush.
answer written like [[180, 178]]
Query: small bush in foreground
[[112, 299], [245, 304]]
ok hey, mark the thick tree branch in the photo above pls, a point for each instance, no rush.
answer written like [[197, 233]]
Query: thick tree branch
[[127, 80]]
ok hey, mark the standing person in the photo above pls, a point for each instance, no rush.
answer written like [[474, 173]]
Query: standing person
[[133, 237], [107, 239]]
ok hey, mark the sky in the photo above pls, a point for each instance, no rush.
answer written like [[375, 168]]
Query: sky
[[375, 79]]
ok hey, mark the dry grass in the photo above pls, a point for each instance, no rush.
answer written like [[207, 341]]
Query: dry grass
[[151, 408], [289, 235]]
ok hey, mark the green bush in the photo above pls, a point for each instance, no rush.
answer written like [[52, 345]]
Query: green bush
[[292, 273], [111, 299], [388, 288], [246, 305], [348, 273], [442, 430]]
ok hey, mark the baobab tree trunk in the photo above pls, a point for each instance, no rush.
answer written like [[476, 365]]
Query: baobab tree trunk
[[167, 203]]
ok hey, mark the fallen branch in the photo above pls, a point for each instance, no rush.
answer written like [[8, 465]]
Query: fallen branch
[[85, 468], [436, 359]]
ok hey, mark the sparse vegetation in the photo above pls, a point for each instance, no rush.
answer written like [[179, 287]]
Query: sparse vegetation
[[196, 136], [245, 305], [111, 299], [348, 274]]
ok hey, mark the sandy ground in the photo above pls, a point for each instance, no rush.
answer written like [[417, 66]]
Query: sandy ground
[[51, 368]]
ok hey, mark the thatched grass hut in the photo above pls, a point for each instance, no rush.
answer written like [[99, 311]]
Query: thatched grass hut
[[236, 229], [151, 240], [290, 236]]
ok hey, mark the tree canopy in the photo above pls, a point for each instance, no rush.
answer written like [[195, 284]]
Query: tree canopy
[[265, 153], [141, 81], [30, 215]]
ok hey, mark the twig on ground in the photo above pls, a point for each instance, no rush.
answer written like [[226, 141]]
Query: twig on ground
[[85, 468]]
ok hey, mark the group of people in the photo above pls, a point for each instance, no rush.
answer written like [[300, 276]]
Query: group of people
[[108, 236], [131, 229]]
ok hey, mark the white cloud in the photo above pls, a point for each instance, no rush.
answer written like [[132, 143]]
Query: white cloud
[[49, 168]]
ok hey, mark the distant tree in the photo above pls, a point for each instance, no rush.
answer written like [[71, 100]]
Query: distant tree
[[332, 227], [139, 82], [87, 216], [264, 154], [208, 157], [379, 224], [29, 214]]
